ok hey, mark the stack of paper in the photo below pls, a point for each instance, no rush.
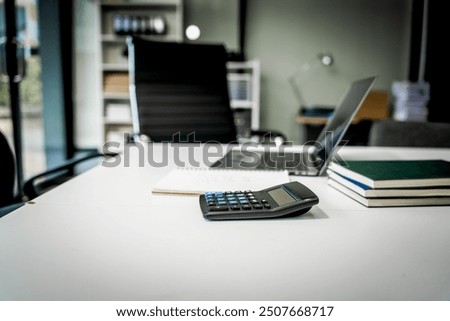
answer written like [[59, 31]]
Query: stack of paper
[[393, 182], [411, 100]]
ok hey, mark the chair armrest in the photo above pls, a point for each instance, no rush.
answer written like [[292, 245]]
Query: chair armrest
[[29, 188], [9, 208]]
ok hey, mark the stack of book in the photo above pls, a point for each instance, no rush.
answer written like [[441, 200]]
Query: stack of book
[[393, 182], [411, 100]]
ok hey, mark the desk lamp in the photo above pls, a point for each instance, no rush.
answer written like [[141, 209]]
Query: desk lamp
[[323, 59]]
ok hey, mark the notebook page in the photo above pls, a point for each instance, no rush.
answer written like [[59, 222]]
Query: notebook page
[[195, 181]]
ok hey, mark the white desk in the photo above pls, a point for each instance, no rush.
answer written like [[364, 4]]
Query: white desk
[[103, 236]]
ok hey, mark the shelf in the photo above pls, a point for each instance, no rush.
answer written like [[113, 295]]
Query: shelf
[[242, 64], [122, 39], [243, 85], [110, 65], [153, 3], [114, 38], [118, 96], [244, 77], [115, 67], [110, 122], [245, 104]]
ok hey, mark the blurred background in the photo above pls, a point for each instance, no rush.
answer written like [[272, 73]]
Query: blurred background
[[66, 90]]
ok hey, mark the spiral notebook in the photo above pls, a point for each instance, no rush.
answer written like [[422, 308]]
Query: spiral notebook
[[197, 181]]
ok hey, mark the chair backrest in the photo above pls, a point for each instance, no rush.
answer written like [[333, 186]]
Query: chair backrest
[[7, 173], [409, 134], [178, 89]]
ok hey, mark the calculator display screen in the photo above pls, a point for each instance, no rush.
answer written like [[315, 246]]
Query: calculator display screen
[[281, 197]]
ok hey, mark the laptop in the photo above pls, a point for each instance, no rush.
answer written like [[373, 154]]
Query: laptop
[[313, 158]]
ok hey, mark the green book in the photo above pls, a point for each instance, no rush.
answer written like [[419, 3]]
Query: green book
[[395, 173], [367, 192], [391, 201]]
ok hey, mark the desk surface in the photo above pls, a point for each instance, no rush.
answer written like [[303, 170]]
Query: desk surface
[[103, 236]]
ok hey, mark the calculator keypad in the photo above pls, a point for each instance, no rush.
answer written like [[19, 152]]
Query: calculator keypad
[[234, 201]]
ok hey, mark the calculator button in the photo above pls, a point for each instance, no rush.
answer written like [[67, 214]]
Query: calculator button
[[232, 202], [240, 195], [263, 201], [227, 193], [246, 207], [211, 203], [217, 208], [220, 199], [238, 192], [235, 207], [221, 203], [254, 201], [267, 206], [251, 197], [257, 206], [218, 194], [247, 191], [243, 201]]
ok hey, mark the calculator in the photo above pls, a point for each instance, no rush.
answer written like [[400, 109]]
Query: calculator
[[290, 199]]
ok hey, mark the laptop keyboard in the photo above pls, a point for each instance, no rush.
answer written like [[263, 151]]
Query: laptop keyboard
[[295, 163]]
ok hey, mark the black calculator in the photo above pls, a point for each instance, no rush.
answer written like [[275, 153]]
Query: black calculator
[[290, 199]]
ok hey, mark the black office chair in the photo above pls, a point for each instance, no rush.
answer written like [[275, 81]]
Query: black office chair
[[409, 134], [37, 184], [179, 92], [8, 202]]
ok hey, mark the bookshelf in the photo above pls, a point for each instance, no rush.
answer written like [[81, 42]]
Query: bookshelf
[[244, 90], [243, 77], [160, 20]]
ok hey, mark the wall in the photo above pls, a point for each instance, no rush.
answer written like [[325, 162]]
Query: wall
[[218, 20], [365, 37]]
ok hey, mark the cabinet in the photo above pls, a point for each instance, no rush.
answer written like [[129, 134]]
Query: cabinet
[[244, 91], [160, 20]]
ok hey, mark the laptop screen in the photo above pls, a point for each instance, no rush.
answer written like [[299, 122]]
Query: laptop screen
[[344, 113], [301, 163]]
